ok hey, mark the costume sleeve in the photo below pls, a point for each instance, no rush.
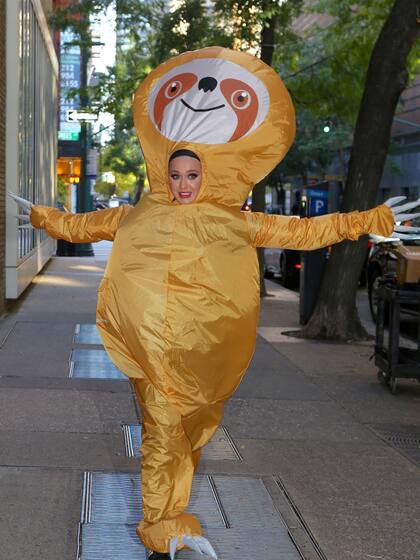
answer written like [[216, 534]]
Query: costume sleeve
[[79, 228], [321, 231]]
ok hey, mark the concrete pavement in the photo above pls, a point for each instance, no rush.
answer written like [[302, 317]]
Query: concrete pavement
[[312, 415]]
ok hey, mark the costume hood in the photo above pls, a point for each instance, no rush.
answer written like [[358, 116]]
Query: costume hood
[[228, 107]]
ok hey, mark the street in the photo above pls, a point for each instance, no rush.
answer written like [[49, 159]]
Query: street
[[336, 454]]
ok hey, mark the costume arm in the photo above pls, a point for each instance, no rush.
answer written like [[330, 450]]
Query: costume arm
[[313, 233], [79, 228]]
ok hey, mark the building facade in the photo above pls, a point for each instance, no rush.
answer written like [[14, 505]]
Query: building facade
[[2, 150], [402, 172], [31, 135]]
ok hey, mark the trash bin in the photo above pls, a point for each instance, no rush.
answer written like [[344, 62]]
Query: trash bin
[[65, 248], [311, 272]]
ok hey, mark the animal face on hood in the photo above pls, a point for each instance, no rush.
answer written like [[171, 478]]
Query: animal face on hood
[[228, 107], [208, 101]]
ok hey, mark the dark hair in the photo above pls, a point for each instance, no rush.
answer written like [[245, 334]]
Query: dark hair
[[180, 153]]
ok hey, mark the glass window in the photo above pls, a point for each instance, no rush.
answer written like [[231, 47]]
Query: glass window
[[37, 123]]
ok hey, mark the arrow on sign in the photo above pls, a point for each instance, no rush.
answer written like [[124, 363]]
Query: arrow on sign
[[73, 115]]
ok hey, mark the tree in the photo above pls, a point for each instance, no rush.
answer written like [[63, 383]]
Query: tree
[[123, 157], [188, 27], [324, 72], [325, 68], [150, 34], [258, 25], [314, 148], [335, 316]]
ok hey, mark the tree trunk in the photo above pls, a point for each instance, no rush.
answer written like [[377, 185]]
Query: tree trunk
[[335, 316], [258, 193], [139, 189]]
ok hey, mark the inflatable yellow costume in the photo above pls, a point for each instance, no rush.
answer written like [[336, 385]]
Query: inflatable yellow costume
[[178, 306]]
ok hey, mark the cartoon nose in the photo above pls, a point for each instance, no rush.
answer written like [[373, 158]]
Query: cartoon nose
[[207, 84]]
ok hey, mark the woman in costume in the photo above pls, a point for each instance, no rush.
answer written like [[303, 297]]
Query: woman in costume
[[179, 302]]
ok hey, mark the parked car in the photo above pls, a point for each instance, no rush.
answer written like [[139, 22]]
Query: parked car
[[283, 264], [100, 205]]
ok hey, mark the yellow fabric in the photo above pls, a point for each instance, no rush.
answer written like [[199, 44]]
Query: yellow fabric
[[171, 445], [230, 169], [313, 233], [79, 228], [178, 306]]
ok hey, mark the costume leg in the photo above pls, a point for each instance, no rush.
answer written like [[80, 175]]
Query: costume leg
[[201, 425], [168, 463], [167, 470]]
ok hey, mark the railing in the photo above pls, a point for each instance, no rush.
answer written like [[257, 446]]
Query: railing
[[31, 135], [37, 121]]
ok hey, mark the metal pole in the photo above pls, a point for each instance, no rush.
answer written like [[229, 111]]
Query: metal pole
[[84, 199]]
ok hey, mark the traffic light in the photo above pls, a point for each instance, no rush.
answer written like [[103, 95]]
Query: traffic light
[[74, 179], [327, 126]]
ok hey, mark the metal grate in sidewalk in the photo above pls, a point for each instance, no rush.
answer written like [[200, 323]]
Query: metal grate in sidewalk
[[120, 542], [404, 439], [221, 447], [110, 542], [116, 498], [237, 514], [93, 364], [86, 334], [102, 250]]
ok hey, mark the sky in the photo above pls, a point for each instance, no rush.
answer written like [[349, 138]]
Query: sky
[[104, 56]]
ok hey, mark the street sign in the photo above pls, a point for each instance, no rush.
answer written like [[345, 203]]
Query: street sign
[[318, 206], [318, 201], [68, 135], [70, 66], [317, 193], [74, 115]]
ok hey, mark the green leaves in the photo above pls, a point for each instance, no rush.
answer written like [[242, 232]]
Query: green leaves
[[323, 68], [188, 27], [314, 149], [123, 157]]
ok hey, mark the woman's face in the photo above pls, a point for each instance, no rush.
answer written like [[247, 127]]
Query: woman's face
[[185, 178]]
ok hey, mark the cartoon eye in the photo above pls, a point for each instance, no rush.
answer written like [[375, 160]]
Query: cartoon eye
[[240, 99], [169, 91], [244, 101], [173, 89]]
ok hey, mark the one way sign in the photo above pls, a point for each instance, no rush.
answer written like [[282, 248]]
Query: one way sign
[[73, 115]]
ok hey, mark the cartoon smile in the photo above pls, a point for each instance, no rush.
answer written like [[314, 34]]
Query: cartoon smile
[[202, 110]]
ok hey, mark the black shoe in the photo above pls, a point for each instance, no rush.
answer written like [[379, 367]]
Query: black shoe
[[159, 556]]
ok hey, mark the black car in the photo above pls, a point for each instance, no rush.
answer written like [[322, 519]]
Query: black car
[[285, 265], [282, 264]]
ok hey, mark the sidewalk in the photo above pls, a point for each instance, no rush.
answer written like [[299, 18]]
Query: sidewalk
[[338, 454]]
